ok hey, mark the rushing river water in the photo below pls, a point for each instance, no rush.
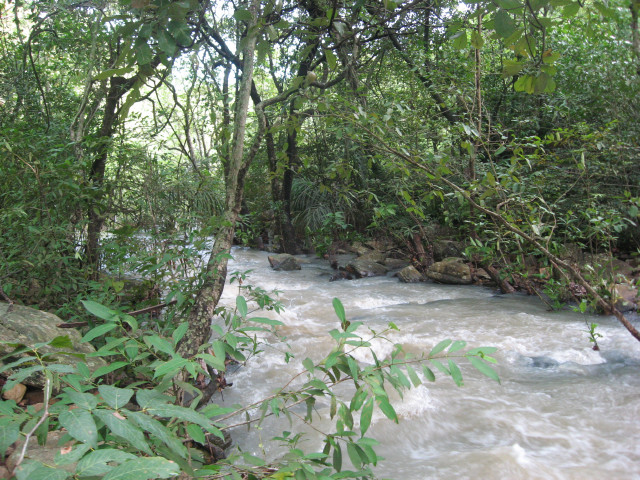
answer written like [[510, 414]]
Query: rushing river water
[[562, 411]]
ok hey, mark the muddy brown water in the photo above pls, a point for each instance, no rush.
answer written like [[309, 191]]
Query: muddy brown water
[[562, 410]]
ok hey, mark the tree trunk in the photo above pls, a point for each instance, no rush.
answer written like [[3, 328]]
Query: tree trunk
[[200, 317]]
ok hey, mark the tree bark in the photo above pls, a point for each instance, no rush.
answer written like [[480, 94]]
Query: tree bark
[[200, 317]]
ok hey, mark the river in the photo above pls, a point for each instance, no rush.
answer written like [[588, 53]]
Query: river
[[561, 411]]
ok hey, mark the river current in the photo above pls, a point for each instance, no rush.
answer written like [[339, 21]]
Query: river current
[[561, 411]]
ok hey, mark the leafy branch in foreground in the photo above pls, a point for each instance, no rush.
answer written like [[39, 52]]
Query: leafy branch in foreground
[[136, 429]]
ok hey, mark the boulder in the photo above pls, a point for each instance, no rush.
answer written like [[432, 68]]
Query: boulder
[[29, 326], [395, 263], [443, 249], [366, 268], [451, 270], [410, 275], [358, 248], [284, 261], [626, 297], [374, 256]]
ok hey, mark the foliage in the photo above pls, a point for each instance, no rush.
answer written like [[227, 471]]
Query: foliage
[[134, 430]]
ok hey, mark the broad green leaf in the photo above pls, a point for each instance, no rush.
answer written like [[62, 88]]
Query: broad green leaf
[[113, 72], [440, 347], [460, 40], [167, 43], [159, 431], [144, 468], [354, 456], [440, 367], [504, 24], [243, 15], [571, 10], [99, 310], [337, 457], [339, 309], [160, 344], [171, 367], [180, 31], [195, 432], [460, 344], [99, 331], [86, 401], [115, 397], [365, 416], [123, 428], [332, 61], [108, 369], [241, 305], [179, 332], [413, 376], [308, 364], [9, 433], [476, 40], [511, 67], [62, 341], [76, 453], [80, 425], [483, 368], [456, 374], [34, 470], [95, 463], [267, 321], [387, 409], [186, 414]]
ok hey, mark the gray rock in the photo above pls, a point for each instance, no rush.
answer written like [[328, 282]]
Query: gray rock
[[29, 326], [359, 249], [395, 263], [451, 270], [410, 275], [443, 249], [284, 261], [373, 256], [626, 297], [366, 268]]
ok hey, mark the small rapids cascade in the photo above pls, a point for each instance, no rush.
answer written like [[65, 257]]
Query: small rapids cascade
[[561, 411]]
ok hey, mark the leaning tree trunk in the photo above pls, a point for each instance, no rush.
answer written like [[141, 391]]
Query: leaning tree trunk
[[199, 331]]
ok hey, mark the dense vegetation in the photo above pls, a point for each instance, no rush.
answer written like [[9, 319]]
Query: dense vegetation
[[133, 131]]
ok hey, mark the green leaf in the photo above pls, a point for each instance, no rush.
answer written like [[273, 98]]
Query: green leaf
[[34, 470], [99, 331], [337, 457], [511, 67], [460, 344], [195, 432], [387, 409], [339, 309], [267, 321], [144, 468], [62, 341], [73, 456], [241, 305], [504, 24], [571, 10], [365, 416], [308, 364], [160, 344], [186, 414], [483, 368], [159, 431], [99, 310], [86, 401], [108, 369], [456, 374], [171, 367], [354, 456], [95, 463], [115, 397], [243, 15], [179, 333], [332, 61], [80, 425], [413, 376], [9, 433], [180, 31], [460, 40], [113, 72], [166, 43], [476, 40], [440, 347], [124, 429]]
